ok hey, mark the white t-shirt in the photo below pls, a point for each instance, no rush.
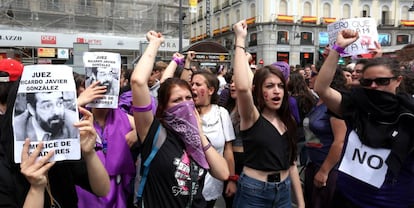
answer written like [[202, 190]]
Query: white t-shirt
[[218, 128]]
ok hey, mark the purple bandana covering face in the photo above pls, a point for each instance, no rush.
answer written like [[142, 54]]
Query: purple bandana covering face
[[182, 120]]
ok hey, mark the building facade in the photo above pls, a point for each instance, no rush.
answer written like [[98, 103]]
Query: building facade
[[45, 31], [295, 31]]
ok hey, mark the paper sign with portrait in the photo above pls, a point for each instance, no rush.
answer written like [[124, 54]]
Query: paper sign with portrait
[[104, 67], [45, 110], [366, 28]]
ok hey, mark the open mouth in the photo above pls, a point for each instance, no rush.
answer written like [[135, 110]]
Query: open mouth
[[276, 99]]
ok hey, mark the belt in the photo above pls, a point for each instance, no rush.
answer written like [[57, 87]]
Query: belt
[[273, 178]]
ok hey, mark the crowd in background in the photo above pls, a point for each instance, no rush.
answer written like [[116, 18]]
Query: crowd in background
[[234, 132]]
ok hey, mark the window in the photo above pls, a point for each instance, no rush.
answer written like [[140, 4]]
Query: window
[[306, 38], [282, 37], [403, 39], [253, 39], [283, 7], [326, 10], [307, 9], [323, 38], [346, 11], [384, 39], [365, 11]]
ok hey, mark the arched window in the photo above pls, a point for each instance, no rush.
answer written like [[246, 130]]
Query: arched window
[[385, 15], [252, 10], [326, 10], [238, 15], [283, 8], [307, 9], [365, 11], [346, 11], [227, 20], [404, 13]]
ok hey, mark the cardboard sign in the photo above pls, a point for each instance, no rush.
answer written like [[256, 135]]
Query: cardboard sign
[[367, 29]]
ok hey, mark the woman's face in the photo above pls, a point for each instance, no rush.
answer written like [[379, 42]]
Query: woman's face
[[178, 95], [233, 93], [273, 92], [380, 78], [201, 93]]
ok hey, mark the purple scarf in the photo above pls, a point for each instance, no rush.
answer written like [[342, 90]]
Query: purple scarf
[[182, 120]]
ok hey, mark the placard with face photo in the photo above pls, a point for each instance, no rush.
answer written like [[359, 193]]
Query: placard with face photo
[[45, 110], [105, 68]]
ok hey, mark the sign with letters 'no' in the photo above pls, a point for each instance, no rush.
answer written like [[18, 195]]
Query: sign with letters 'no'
[[364, 163]]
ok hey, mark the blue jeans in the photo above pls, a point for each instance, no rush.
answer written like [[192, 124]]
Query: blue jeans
[[255, 193]]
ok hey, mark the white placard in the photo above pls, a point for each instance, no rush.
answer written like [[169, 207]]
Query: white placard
[[45, 110], [364, 163], [103, 67], [367, 29]]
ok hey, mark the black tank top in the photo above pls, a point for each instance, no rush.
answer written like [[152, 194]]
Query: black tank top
[[265, 149]]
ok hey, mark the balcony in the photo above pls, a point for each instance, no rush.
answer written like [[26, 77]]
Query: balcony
[[86, 10], [225, 29], [233, 2], [386, 22], [216, 32], [216, 9], [251, 20], [407, 23], [226, 4], [309, 19], [281, 18], [327, 20], [52, 7]]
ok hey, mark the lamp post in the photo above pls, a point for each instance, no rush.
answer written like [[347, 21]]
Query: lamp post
[[180, 26]]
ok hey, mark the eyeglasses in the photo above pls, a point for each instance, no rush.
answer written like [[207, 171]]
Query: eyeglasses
[[381, 81]]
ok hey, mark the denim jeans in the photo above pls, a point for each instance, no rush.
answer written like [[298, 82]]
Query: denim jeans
[[255, 193]]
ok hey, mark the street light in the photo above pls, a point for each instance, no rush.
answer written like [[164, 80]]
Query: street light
[[412, 8]]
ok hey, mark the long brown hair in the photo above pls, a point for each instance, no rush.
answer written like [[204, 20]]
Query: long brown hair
[[164, 94], [284, 111]]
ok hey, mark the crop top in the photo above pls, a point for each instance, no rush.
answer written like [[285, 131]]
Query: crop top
[[265, 149]]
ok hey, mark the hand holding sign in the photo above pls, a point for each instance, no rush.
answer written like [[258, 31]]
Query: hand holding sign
[[346, 37], [87, 132]]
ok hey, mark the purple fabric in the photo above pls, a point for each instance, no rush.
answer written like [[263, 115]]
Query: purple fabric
[[117, 161], [182, 120], [294, 109], [284, 67], [125, 103]]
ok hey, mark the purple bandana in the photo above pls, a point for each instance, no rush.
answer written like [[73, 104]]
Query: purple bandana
[[182, 120]]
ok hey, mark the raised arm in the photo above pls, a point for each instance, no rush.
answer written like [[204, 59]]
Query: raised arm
[[187, 71], [139, 78], [35, 170], [330, 96], [97, 174], [174, 63], [248, 112]]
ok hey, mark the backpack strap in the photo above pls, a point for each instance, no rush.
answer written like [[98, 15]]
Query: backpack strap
[[159, 139]]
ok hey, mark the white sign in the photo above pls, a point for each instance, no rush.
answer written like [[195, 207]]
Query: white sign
[[103, 67], [364, 163], [45, 110], [367, 29]]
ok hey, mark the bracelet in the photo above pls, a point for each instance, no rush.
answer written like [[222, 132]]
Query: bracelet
[[179, 61], [339, 49], [205, 148], [237, 46], [234, 178], [189, 69], [141, 109]]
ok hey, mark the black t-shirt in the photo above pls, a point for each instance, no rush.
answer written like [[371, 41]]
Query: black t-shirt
[[168, 181], [265, 148]]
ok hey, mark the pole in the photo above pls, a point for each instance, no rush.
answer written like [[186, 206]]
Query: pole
[[180, 27]]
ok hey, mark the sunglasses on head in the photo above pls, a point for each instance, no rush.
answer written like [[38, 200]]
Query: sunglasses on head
[[381, 81]]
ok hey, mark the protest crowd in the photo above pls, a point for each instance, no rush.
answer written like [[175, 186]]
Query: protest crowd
[[169, 134]]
